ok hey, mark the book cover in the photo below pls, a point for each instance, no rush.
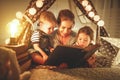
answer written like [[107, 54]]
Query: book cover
[[72, 55]]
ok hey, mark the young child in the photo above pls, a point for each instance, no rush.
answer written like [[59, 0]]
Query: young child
[[84, 39], [41, 39]]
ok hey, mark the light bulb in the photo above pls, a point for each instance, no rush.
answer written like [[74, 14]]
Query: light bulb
[[91, 14], [32, 11], [39, 3], [100, 23], [84, 3], [19, 15], [14, 27], [88, 8], [96, 17]]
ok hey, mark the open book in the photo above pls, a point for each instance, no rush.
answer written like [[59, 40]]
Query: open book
[[72, 55]]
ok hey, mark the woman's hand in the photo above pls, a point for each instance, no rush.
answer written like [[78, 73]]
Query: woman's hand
[[63, 65]]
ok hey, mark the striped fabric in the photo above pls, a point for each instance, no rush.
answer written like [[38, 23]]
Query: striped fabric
[[35, 37]]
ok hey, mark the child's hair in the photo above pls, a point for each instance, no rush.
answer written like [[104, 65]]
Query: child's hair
[[47, 16], [87, 30], [65, 14]]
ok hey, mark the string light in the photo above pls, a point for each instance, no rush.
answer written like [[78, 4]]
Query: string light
[[91, 14], [88, 8], [96, 18], [32, 11], [39, 3], [100, 23], [19, 15], [84, 3]]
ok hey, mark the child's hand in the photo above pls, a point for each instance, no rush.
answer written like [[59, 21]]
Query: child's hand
[[45, 57], [51, 49]]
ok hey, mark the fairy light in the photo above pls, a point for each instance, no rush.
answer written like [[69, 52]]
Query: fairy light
[[19, 15], [32, 11], [88, 8], [91, 14], [84, 3], [96, 18], [39, 3], [100, 23]]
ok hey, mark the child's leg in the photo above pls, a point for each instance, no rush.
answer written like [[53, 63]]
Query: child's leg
[[37, 58]]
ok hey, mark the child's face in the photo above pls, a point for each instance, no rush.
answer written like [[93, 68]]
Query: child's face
[[83, 40], [47, 27], [65, 28]]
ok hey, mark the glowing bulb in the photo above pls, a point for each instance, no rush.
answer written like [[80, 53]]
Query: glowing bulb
[[39, 3], [32, 11], [84, 3], [100, 23], [13, 27], [88, 8], [91, 14], [96, 17], [19, 15]]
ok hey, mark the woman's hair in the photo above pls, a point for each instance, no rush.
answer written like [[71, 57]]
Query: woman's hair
[[65, 14], [87, 30], [47, 16]]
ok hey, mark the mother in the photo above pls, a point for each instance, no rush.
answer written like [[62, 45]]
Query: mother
[[64, 34]]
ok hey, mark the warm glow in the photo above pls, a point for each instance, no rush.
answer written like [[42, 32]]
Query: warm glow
[[84, 3], [19, 15], [7, 41], [39, 3], [32, 11], [96, 18], [100, 23], [91, 14], [14, 27], [88, 8]]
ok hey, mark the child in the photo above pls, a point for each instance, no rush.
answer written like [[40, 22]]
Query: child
[[84, 39], [41, 39]]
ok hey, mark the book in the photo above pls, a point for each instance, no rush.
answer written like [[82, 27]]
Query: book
[[72, 55]]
